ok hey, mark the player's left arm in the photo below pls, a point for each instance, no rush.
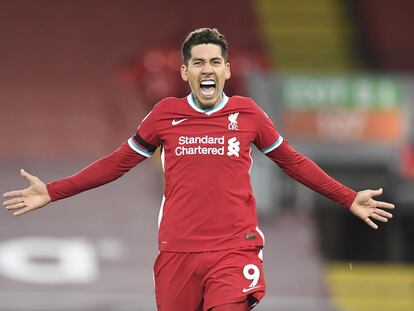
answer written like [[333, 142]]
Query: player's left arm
[[362, 204], [305, 171]]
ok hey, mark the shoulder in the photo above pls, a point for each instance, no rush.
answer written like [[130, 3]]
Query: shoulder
[[245, 102], [242, 100], [168, 104], [170, 100]]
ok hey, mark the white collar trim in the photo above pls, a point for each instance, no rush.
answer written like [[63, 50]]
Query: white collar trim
[[191, 101]]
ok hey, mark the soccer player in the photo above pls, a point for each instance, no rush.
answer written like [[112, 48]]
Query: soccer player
[[209, 239]]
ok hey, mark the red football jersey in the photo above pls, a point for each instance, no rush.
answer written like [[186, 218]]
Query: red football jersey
[[208, 202]]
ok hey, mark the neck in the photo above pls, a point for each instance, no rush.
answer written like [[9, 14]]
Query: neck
[[207, 106]]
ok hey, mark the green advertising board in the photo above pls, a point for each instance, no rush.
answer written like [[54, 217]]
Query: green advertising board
[[309, 92]]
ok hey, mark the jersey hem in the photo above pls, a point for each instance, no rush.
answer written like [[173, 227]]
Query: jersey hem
[[164, 248]]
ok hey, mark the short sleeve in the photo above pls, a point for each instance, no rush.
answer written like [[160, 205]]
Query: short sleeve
[[267, 137], [145, 141]]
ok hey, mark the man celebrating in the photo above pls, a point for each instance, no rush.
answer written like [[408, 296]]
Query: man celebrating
[[209, 239]]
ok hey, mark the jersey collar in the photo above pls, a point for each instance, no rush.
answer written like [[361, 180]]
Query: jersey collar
[[193, 103]]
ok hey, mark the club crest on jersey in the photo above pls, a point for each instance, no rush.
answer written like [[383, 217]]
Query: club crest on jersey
[[233, 121], [233, 147]]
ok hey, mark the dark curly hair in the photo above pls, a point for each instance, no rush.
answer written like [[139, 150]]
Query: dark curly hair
[[204, 36]]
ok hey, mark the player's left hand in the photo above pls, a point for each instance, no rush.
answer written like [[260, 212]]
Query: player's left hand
[[368, 209]]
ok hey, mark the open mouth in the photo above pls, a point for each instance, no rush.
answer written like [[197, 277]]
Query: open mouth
[[208, 87]]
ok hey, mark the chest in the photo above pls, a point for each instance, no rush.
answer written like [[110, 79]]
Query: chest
[[220, 135]]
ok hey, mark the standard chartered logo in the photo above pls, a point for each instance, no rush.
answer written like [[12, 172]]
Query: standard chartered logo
[[207, 145], [234, 147]]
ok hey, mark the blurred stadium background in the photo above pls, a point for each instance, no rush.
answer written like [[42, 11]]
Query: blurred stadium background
[[337, 78]]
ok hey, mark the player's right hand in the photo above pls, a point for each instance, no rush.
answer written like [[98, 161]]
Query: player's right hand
[[33, 197]]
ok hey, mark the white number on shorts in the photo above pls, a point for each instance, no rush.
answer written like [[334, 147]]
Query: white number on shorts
[[251, 276]]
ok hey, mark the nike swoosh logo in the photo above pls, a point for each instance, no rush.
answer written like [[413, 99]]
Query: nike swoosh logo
[[245, 290], [175, 122]]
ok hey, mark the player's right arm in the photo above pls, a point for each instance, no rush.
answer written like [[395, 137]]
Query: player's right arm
[[129, 154], [103, 171]]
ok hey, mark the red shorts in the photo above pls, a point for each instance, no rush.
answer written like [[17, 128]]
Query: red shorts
[[201, 281]]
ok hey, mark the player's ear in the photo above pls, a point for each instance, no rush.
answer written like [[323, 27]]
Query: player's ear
[[227, 73], [184, 73]]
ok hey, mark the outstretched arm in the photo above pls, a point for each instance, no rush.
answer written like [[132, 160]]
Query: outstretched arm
[[311, 175], [105, 170]]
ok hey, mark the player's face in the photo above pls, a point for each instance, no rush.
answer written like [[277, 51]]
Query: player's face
[[206, 73]]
